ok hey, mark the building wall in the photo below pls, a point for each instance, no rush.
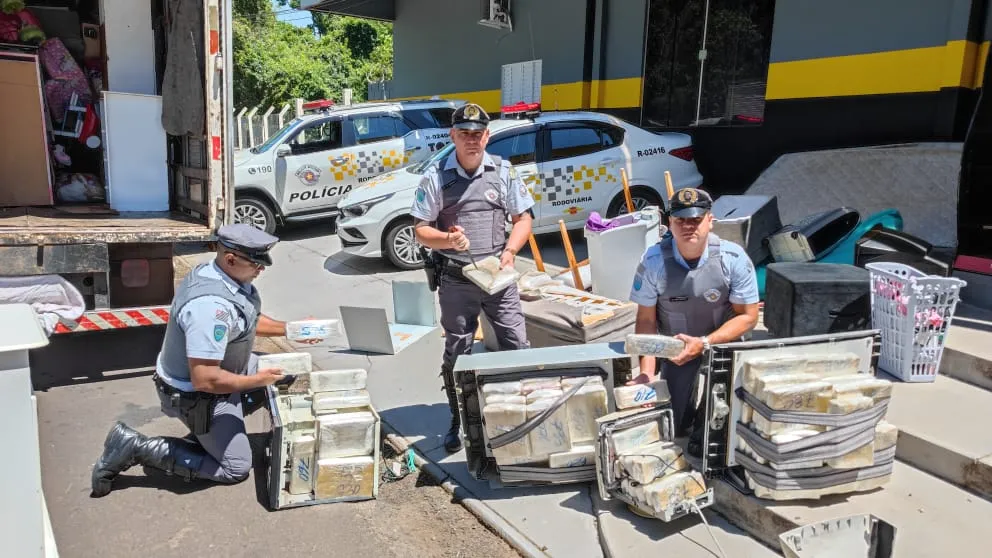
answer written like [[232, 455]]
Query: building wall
[[849, 73], [842, 73], [440, 49]]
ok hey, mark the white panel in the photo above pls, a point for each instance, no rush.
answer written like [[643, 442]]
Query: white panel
[[130, 46], [22, 513], [521, 82], [137, 171]]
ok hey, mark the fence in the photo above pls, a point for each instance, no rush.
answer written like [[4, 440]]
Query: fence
[[253, 127]]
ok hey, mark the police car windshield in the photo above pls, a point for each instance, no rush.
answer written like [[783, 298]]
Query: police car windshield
[[275, 138], [420, 167]]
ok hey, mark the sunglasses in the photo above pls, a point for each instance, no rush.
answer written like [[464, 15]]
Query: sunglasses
[[255, 264]]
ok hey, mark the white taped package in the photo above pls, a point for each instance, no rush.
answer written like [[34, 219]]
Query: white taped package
[[306, 330], [760, 367], [487, 275], [338, 380], [346, 477], [816, 493], [768, 428], [551, 434], [794, 397], [577, 457], [848, 403], [653, 461], [857, 459], [835, 364], [302, 451], [291, 364], [503, 398], [552, 394], [886, 435], [333, 401], [346, 434], [583, 408], [502, 418], [666, 492], [630, 439], [639, 394], [867, 385], [508, 388], [534, 384], [645, 344], [763, 382], [569, 383]]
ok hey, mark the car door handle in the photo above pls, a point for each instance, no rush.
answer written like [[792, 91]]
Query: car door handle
[[609, 160], [338, 161]]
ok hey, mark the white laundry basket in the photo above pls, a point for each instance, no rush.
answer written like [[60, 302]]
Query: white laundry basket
[[614, 254], [913, 311]]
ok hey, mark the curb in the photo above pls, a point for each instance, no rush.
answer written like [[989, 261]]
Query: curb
[[486, 515]]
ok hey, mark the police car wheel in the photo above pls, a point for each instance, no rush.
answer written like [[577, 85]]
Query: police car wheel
[[401, 246], [255, 213], [640, 197]]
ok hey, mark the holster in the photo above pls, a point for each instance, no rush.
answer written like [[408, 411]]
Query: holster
[[434, 267], [196, 408]]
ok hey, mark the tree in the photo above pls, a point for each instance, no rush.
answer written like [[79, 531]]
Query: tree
[[275, 61]]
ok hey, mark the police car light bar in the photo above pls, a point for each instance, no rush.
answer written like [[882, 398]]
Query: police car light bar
[[318, 105], [521, 110]]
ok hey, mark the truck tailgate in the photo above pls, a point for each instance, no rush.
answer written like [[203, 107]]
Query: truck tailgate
[[39, 225]]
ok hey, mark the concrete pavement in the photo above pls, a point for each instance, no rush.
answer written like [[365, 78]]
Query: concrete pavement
[[312, 277]]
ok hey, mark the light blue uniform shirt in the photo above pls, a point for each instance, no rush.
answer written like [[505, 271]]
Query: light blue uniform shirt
[[208, 322], [649, 281], [514, 195]]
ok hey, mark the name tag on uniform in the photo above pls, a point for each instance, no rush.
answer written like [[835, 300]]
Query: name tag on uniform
[[678, 298]]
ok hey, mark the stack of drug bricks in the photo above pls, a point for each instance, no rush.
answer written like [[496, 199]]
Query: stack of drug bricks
[[651, 471], [332, 428], [564, 437], [811, 425]]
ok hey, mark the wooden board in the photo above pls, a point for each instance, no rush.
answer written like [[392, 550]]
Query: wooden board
[[43, 225]]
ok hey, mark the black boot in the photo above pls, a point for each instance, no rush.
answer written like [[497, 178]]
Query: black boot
[[452, 440], [125, 447]]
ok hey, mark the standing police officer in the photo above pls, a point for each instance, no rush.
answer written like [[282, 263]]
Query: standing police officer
[[460, 212], [206, 374], [698, 288]]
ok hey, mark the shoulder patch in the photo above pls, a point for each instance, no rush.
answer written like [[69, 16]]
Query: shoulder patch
[[421, 194], [220, 331]]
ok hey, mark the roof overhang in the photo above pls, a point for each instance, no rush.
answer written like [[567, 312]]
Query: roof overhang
[[373, 9]]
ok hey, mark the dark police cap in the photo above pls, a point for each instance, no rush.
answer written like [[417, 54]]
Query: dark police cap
[[246, 239], [690, 202], [470, 117]]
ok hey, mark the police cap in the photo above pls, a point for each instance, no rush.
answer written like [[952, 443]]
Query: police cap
[[252, 242], [690, 202], [470, 117]]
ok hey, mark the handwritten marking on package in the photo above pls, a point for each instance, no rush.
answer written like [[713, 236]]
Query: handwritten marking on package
[[645, 395], [303, 468]]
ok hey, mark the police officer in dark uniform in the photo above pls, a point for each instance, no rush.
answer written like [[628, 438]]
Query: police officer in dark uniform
[[460, 211], [698, 288], [206, 374]]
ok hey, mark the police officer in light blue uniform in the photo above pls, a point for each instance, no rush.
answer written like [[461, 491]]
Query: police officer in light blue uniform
[[460, 210], [206, 374], [698, 288]]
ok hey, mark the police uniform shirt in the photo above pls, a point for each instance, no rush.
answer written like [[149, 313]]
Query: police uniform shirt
[[649, 281], [208, 322], [514, 195]]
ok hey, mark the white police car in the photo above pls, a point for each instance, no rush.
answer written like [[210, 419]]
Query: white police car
[[302, 171], [570, 161]]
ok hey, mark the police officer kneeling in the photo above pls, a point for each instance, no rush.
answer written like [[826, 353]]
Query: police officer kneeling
[[698, 288], [206, 374], [460, 211]]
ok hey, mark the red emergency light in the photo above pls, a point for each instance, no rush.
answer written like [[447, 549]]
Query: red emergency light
[[317, 105], [520, 110]]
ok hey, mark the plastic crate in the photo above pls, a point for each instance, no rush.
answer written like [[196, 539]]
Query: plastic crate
[[913, 311]]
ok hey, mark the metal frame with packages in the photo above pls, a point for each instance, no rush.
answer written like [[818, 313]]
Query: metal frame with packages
[[724, 398]]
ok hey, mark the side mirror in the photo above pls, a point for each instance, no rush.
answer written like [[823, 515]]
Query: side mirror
[[283, 150]]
